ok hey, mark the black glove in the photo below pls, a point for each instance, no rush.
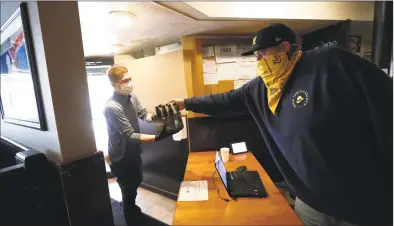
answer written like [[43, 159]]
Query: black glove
[[171, 121], [165, 132]]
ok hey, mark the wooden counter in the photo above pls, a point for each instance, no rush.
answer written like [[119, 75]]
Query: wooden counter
[[272, 210]]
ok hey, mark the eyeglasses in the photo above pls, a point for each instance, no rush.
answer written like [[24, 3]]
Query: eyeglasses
[[125, 80]]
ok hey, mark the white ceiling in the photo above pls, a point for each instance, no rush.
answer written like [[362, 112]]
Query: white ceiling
[[163, 23], [329, 10]]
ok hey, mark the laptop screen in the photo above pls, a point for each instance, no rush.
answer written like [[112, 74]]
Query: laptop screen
[[221, 168]]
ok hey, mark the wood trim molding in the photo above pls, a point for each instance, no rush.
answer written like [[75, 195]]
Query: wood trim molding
[[194, 77]]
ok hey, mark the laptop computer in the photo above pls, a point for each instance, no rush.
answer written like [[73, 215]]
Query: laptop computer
[[240, 184]]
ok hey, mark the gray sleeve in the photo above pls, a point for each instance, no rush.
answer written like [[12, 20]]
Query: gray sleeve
[[142, 113], [117, 118]]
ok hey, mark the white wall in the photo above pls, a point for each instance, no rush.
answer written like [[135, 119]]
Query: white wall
[[156, 79], [123, 59]]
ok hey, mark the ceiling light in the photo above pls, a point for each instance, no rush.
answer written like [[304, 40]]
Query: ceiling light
[[116, 48], [123, 18]]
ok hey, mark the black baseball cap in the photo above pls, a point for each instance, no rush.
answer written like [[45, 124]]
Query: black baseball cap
[[270, 36]]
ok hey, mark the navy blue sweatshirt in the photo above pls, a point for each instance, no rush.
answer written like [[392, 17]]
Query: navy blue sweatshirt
[[332, 134]]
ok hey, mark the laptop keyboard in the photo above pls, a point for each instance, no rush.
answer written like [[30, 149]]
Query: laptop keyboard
[[240, 187], [248, 184]]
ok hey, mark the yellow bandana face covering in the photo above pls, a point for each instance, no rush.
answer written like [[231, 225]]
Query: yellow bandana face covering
[[275, 70]]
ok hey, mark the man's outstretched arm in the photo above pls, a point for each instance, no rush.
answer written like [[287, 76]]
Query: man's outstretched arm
[[224, 104]]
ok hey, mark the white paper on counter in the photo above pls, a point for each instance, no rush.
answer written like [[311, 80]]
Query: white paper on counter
[[193, 191]]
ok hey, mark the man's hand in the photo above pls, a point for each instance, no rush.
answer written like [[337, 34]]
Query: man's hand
[[168, 118], [147, 138], [166, 132], [179, 102], [172, 126]]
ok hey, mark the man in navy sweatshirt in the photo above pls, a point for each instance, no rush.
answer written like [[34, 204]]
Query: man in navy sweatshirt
[[326, 116]]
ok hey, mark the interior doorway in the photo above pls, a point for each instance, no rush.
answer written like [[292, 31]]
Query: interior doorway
[[100, 90]]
